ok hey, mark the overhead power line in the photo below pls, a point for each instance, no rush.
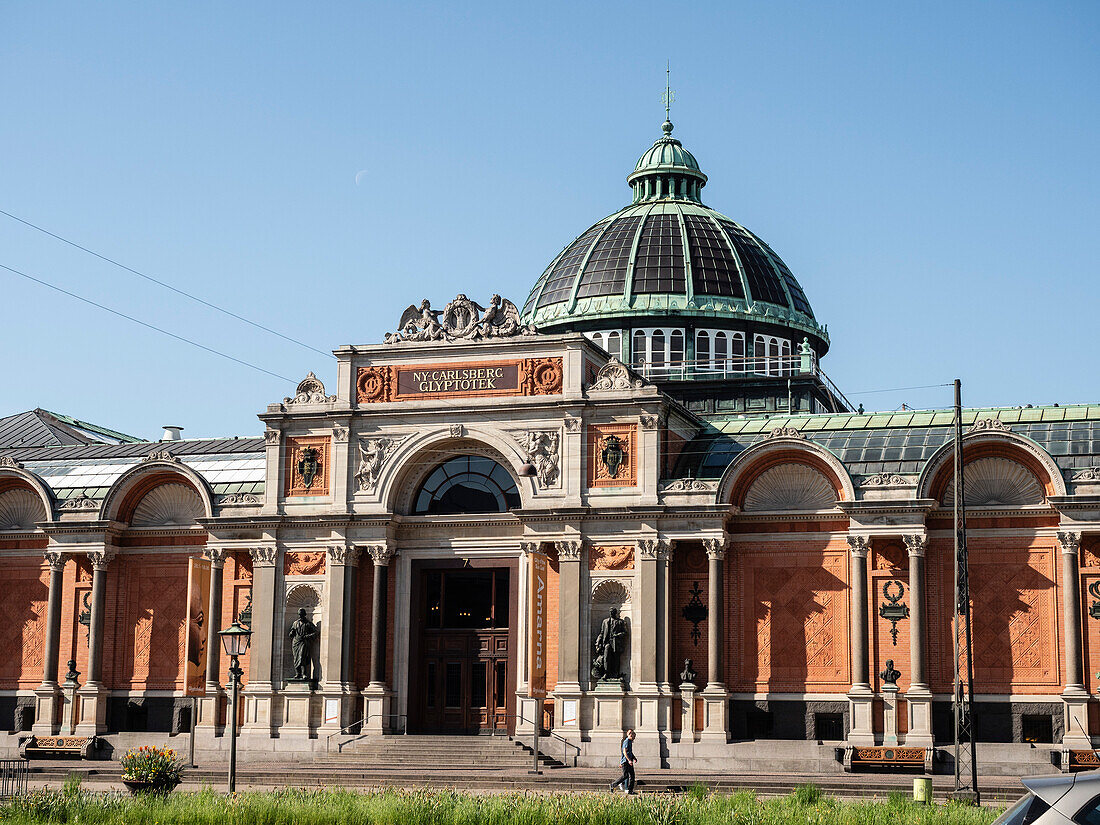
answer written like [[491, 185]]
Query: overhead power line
[[146, 324], [167, 286], [900, 389]]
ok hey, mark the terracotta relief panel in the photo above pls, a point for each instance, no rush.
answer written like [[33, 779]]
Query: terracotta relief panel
[[307, 466], [23, 615], [612, 455], [474, 379], [794, 620], [611, 557], [304, 563]]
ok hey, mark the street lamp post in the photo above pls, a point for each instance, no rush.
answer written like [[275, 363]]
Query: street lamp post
[[235, 640]]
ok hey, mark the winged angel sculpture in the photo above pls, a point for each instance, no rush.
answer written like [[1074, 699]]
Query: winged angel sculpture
[[461, 320]]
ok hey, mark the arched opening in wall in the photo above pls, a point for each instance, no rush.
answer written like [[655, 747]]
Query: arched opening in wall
[[466, 484], [20, 508], [995, 481], [163, 499], [789, 486]]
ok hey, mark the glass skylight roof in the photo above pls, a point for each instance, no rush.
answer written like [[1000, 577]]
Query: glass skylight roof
[[103, 472]]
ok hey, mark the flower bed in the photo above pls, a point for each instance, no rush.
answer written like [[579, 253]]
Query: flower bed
[[151, 769]]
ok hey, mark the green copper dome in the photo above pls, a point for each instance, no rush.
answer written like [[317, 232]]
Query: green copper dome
[[667, 258]]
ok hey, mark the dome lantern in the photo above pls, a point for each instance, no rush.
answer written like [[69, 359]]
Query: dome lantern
[[667, 171]]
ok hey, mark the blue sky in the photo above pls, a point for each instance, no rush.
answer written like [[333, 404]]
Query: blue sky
[[928, 172]]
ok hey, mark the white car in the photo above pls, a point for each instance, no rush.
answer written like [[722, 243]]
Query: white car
[[1057, 800]]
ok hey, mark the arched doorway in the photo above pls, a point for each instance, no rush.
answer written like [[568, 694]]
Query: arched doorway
[[464, 611]]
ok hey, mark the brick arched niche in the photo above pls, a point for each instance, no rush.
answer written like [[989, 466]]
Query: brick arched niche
[[302, 596], [1000, 470], [785, 474]]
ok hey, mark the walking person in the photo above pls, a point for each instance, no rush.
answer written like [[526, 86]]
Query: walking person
[[627, 761]]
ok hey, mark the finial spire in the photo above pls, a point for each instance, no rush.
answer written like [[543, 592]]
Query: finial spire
[[666, 127]]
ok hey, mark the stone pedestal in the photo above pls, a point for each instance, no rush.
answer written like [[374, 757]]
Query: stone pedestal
[[377, 710], [715, 714], [687, 712], [607, 707], [69, 709], [47, 699], [258, 700], [338, 706], [212, 709], [918, 704], [91, 703], [861, 703], [301, 710], [890, 715], [1076, 704]]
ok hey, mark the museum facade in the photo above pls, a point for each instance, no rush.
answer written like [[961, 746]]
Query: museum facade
[[643, 471]]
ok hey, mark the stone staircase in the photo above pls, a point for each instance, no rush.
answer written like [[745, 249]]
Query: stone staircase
[[432, 753]]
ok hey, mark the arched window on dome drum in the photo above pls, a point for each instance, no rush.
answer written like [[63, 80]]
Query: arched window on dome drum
[[785, 355], [596, 338], [467, 484], [702, 350], [676, 353], [638, 355], [773, 356], [657, 352], [737, 352], [613, 346], [721, 363]]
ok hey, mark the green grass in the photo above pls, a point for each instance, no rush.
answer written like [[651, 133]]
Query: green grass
[[807, 806]]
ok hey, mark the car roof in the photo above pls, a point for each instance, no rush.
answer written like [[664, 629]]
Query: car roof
[[1052, 788]]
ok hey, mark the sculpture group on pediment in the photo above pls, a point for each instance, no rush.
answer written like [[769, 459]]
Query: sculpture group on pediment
[[460, 320]]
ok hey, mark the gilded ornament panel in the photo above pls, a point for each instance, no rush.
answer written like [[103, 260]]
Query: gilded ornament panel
[[307, 466], [612, 455]]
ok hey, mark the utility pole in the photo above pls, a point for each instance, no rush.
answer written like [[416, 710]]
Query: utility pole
[[966, 762]]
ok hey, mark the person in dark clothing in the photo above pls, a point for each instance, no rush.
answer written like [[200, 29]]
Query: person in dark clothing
[[627, 761]]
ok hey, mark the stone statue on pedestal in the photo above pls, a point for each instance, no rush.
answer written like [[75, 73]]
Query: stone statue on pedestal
[[303, 637], [688, 676], [610, 644], [890, 676]]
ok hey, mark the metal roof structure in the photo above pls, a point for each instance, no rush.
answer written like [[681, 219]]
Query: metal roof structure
[[42, 428]]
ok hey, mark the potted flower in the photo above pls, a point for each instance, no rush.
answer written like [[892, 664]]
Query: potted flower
[[150, 769]]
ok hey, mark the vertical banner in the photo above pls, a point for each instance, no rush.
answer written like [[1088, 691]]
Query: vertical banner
[[536, 650], [198, 614]]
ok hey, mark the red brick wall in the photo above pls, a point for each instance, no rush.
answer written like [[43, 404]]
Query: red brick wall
[[24, 583]]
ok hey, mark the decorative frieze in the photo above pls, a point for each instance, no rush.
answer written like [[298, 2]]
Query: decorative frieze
[[688, 485], [239, 499], [304, 563], [374, 452], [611, 557], [784, 432], [162, 455], [988, 425], [1088, 475], [80, 503], [885, 480]]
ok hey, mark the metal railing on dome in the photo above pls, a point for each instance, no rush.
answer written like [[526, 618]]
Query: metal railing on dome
[[733, 367]]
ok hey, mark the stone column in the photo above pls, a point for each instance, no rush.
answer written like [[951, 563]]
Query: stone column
[[860, 697], [918, 698], [569, 619], [1074, 696], [258, 694], [351, 573], [46, 718], [715, 710], [341, 496], [527, 709], [652, 705], [337, 700], [210, 705], [273, 463], [93, 696], [377, 695]]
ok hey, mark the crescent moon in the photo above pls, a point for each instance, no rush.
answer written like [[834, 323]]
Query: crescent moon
[[359, 176]]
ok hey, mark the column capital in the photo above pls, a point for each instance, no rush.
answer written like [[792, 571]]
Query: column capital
[[716, 548], [654, 549], [217, 555], [915, 544], [272, 437], [858, 545], [1070, 542], [343, 554], [381, 554], [530, 548], [55, 559], [570, 550], [101, 558], [263, 556]]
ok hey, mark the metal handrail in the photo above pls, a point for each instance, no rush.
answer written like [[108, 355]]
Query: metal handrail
[[363, 721], [559, 737]]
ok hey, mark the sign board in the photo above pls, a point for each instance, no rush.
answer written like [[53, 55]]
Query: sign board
[[198, 615], [476, 379], [536, 650]]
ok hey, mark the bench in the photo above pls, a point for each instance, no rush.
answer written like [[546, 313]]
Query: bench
[[53, 747], [1083, 760], [888, 757]]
